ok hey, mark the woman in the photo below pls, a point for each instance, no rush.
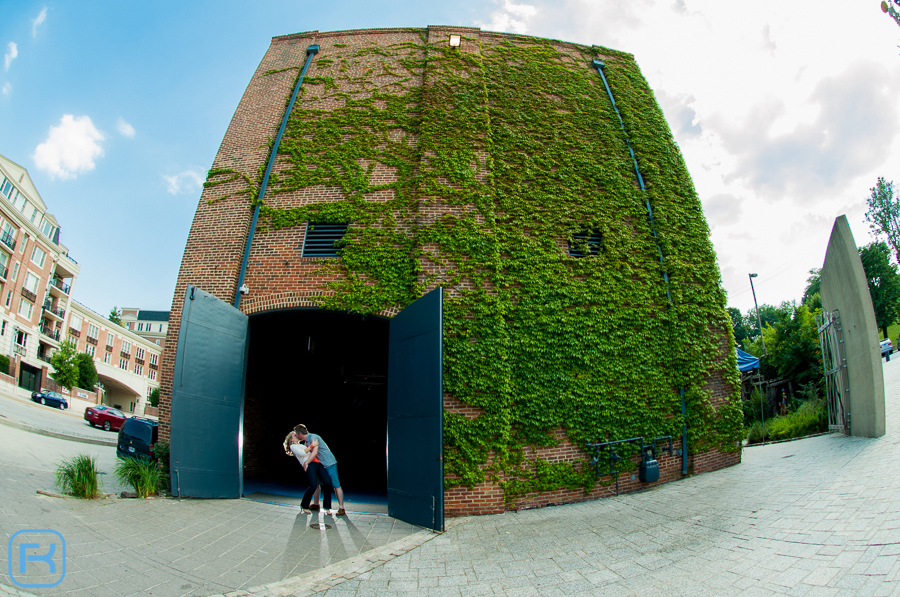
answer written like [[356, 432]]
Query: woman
[[315, 472]]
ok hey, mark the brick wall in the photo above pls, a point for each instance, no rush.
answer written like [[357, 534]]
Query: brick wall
[[278, 278]]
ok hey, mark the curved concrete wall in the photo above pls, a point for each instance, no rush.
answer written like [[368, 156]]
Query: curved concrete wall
[[844, 289]]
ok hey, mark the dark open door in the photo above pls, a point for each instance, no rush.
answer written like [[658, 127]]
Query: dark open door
[[207, 398], [416, 414]]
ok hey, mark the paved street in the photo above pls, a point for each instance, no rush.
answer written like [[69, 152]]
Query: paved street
[[26, 414], [812, 517]]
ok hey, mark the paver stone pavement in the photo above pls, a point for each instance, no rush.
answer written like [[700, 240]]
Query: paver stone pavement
[[817, 516]]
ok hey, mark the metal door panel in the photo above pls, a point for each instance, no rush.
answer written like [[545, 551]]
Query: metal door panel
[[207, 398], [416, 413]]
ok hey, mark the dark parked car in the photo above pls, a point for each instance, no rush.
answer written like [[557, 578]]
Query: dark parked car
[[51, 399], [137, 438], [104, 416]]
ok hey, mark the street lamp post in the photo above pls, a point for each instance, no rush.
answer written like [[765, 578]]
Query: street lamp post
[[762, 408]]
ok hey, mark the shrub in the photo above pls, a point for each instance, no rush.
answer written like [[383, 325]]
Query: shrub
[[810, 418], [161, 454], [141, 474], [4, 364], [79, 476]]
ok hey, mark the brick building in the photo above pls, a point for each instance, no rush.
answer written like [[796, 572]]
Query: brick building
[[152, 325], [536, 184]]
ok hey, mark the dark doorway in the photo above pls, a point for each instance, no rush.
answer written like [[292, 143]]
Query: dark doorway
[[29, 377], [328, 371]]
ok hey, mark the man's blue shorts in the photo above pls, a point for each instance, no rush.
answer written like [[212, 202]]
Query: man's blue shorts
[[332, 472]]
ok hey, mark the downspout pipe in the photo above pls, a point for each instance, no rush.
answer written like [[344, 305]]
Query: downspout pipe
[[684, 451], [310, 52], [599, 65]]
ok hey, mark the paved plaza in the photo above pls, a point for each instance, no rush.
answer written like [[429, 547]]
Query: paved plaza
[[818, 516]]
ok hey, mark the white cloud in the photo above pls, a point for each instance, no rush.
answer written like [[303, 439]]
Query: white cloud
[[38, 21], [511, 18], [11, 53], [7, 88], [70, 148], [125, 129], [183, 182]]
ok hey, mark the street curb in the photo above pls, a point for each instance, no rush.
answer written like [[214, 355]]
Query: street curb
[[331, 576], [56, 434]]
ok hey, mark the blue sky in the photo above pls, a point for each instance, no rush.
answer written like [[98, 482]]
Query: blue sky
[[785, 114]]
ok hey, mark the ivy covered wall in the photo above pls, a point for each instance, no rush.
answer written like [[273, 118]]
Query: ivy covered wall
[[474, 168]]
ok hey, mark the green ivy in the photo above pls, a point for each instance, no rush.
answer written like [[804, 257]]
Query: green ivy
[[523, 140]]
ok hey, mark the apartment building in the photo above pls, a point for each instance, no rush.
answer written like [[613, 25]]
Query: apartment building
[[152, 325], [127, 364], [36, 278]]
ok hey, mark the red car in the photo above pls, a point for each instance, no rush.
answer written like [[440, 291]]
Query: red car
[[104, 416]]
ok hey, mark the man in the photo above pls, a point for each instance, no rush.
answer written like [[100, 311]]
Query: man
[[318, 448]]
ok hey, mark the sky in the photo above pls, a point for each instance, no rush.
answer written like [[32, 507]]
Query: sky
[[786, 114]]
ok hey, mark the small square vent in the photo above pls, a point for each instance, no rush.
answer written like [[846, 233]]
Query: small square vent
[[323, 240], [586, 242]]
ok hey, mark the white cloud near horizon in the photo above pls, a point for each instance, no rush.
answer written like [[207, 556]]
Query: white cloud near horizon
[[7, 88], [38, 20], [511, 17], [183, 182], [125, 129], [12, 50], [70, 149]]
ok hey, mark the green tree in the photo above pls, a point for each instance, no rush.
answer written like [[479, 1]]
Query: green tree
[[115, 316], [768, 315], [65, 365], [741, 330], [153, 398], [883, 214], [793, 347], [884, 283], [812, 296], [87, 372]]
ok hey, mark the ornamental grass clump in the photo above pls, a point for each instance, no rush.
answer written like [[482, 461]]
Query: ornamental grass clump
[[141, 474], [79, 476]]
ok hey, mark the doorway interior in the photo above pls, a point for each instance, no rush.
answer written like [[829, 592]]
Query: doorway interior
[[327, 370]]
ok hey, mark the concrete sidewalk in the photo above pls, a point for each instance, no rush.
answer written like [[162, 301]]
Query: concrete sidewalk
[[818, 516]]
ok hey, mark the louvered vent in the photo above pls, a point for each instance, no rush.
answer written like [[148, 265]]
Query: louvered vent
[[588, 242], [322, 239]]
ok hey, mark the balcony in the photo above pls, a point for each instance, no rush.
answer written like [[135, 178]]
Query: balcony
[[74, 332], [44, 355], [50, 332], [125, 355], [19, 349], [3, 272], [138, 361], [48, 308], [9, 240], [29, 295], [60, 284], [91, 340]]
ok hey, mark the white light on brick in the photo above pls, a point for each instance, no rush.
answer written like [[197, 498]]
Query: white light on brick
[[454, 41]]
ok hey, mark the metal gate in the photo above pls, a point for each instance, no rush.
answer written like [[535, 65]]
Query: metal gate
[[834, 361]]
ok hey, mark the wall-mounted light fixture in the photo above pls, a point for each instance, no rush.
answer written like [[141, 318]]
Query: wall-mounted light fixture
[[454, 41]]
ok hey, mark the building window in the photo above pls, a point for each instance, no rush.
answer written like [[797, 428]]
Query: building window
[[31, 282], [586, 242], [8, 297], [16, 271], [75, 322], [123, 364], [153, 358], [138, 369], [153, 375], [25, 309], [160, 327], [107, 357], [6, 188], [47, 229], [8, 235], [157, 342], [110, 341], [37, 256], [323, 240], [126, 347], [3, 328], [140, 327], [89, 349], [21, 338], [93, 331], [139, 353]]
